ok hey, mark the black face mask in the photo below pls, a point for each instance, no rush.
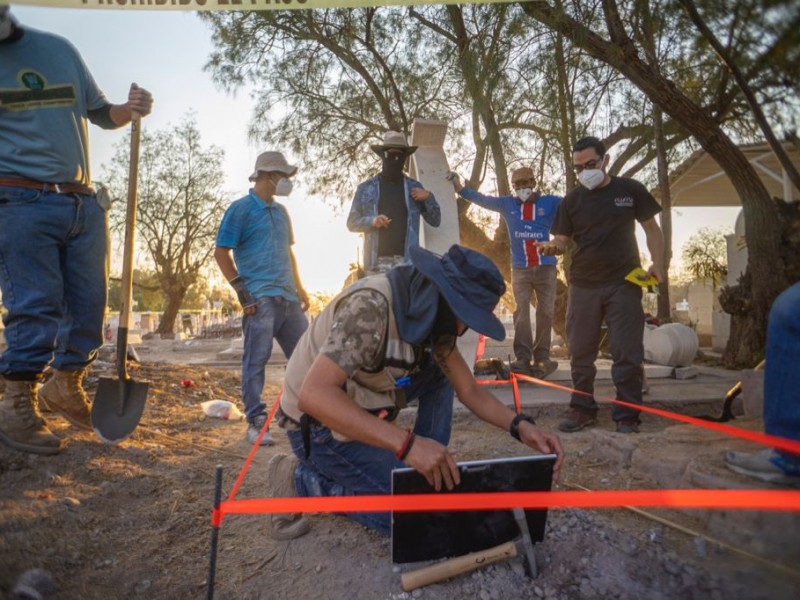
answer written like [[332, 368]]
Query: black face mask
[[445, 328], [393, 164]]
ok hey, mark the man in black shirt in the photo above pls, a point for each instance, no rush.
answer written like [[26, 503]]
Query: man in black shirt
[[387, 207], [600, 217]]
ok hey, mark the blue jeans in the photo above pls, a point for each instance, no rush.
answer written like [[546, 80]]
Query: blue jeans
[[620, 305], [352, 468], [275, 317], [53, 276], [782, 371]]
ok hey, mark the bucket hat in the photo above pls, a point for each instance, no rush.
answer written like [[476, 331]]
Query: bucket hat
[[270, 162], [470, 283]]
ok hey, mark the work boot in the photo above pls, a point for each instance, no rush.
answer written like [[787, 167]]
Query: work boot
[[63, 394], [576, 420], [543, 368], [280, 484], [21, 425], [628, 426], [521, 366]]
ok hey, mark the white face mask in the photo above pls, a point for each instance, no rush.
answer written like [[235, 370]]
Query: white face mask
[[591, 178], [524, 193], [283, 187]]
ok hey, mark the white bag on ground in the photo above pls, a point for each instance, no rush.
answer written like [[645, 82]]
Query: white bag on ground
[[222, 409]]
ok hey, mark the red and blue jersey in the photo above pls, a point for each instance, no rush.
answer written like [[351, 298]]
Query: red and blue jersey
[[528, 223]]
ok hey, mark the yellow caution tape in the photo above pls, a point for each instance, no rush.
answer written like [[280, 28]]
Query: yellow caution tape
[[208, 5]]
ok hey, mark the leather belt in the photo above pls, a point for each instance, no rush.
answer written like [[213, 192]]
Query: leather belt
[[58, 188]]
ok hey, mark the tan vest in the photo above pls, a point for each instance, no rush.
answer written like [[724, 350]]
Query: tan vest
[[371, 388]]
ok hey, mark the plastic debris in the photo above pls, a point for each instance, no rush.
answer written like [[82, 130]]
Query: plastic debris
[[222, 409]]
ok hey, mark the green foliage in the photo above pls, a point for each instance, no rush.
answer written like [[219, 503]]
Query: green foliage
[[705, 255], [180, 205]]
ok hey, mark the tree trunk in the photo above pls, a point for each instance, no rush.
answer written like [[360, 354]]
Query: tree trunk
[[174, 301], [664, 304]]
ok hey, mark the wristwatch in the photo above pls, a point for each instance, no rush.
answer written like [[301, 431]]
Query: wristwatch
[[514, 428]]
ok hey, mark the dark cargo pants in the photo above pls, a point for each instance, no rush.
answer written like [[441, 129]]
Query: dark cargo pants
[[620, 305]]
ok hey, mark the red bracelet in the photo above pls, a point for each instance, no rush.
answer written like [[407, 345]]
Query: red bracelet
[[406, 447]]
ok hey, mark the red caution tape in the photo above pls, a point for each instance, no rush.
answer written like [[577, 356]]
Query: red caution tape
[[255, 447], [216, 517], [763, 500], [762, 438]]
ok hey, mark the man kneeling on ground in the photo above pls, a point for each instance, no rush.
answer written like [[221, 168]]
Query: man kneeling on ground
[[386, 340]]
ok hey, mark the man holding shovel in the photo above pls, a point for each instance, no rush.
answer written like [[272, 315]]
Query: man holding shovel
[[53, 229]]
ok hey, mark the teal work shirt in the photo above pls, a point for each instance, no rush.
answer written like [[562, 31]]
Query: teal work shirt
[[260, 235], [45, 94]]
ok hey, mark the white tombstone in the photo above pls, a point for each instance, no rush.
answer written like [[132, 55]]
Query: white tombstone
[[429, 166]]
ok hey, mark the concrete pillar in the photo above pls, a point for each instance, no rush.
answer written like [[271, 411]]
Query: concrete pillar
[[429, 166]]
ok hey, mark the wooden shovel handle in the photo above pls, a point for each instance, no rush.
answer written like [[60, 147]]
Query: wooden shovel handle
[[456, 566]]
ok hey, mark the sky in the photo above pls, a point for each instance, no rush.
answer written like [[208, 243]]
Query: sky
[[165, 52]]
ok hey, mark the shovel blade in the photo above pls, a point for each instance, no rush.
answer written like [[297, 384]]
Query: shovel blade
[[117, 408]]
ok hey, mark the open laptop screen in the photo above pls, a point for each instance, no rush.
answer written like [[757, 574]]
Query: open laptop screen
[[418, 536]]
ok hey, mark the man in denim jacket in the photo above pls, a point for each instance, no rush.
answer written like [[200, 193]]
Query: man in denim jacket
[[386, 208]]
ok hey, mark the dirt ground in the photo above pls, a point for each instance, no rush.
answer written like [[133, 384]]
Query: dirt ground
[[133, 520]]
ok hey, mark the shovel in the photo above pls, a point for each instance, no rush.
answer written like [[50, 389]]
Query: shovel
[[119, 403]]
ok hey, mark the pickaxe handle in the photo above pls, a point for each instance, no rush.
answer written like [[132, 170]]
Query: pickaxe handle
[[456, 566]]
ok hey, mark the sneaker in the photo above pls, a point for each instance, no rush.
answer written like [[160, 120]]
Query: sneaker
[[521, 366], [64, 395], [766, 465], [628, 426], [576, 420], [280, 484], [254, 429], [543, 368]]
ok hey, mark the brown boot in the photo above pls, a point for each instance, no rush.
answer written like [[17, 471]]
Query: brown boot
[[21, 425], [63, 394], [280, 484]]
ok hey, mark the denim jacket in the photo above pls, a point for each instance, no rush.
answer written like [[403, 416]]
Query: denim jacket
[[365, 208]]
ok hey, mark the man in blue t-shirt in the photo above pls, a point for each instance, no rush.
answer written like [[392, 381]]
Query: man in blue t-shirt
[[263, 272], [528, 216], [53, 230], [600, 216]]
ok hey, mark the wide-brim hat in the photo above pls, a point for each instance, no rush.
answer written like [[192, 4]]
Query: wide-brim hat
[[470, 283], [272, 162], [393, 140]]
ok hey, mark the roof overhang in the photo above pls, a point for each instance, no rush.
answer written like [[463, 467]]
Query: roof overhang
[[700, 181]]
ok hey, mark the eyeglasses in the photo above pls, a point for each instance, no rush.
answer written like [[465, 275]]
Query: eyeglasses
[[595, 163], [522, 183]]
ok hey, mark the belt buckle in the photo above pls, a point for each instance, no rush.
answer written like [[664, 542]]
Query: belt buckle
[[57, 188]]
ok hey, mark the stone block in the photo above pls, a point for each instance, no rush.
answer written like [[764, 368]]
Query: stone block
[[686, 372], [616, 448], [753, 392]]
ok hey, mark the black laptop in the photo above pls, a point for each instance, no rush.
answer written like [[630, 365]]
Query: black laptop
[[418, 536]]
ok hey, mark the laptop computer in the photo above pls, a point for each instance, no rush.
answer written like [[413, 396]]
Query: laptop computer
[[418, 536]]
